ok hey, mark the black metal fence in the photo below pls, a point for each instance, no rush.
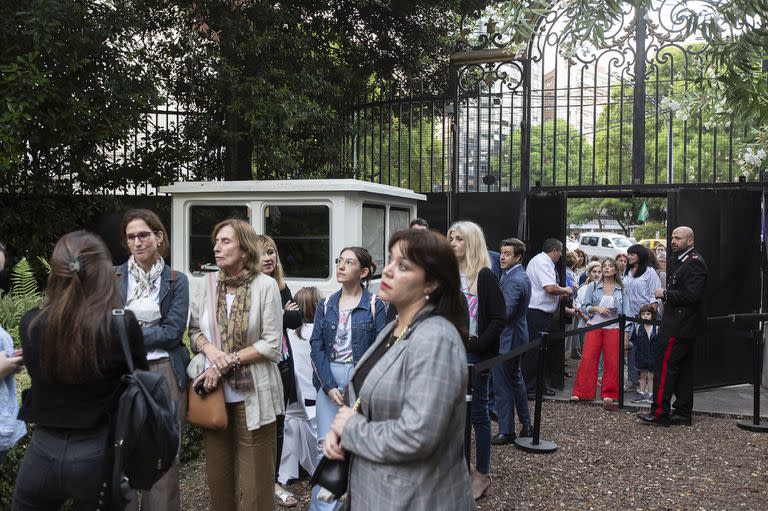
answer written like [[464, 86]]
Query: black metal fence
[[558, 117]]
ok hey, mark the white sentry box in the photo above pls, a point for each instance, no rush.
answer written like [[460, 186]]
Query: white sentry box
[[310, 220]]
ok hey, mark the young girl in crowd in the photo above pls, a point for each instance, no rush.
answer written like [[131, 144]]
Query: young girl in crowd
[[347, 323], [485, 303], [300, 442], [644, 338]]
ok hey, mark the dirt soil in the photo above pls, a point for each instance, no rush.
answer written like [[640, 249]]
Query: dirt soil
[[605, 461]]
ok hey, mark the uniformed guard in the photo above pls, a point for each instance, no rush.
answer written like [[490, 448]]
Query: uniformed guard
[[682, 319]]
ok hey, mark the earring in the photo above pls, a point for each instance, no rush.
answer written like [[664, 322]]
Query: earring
[[426, 297]]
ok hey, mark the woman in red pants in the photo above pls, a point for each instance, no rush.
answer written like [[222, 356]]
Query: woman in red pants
[[604, 300]]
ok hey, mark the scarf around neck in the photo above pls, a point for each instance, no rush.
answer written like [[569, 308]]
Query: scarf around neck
[[233, 327], [146, 282]]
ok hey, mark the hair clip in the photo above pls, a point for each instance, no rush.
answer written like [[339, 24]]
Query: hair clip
[[74, 265]]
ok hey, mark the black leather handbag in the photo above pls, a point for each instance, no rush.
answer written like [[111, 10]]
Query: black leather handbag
[[333, 475]]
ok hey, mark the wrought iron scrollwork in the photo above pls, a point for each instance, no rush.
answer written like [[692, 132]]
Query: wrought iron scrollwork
[[476, 77]]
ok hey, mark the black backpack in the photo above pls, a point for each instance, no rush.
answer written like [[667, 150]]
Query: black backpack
[[146, 428]]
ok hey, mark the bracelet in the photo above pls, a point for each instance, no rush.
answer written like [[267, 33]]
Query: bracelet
[[237, 365], [198, 345]]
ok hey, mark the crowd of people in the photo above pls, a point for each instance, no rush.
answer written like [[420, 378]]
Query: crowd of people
[[380, 379]]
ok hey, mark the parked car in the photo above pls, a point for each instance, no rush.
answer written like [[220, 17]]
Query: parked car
[[603, 244], [652, 243]]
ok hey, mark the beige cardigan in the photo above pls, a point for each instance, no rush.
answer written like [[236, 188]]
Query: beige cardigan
[[265, 331]]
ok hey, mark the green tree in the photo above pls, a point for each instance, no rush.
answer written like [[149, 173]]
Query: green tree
[[623, 211]]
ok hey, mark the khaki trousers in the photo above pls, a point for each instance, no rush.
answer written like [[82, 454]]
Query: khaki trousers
[[239, 454], [164, 495]]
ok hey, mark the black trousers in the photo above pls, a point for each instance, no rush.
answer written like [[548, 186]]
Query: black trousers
[[59, 464], [673, 375], [538, 321]]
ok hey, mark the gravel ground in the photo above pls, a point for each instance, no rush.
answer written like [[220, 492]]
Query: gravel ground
[[606, 460]]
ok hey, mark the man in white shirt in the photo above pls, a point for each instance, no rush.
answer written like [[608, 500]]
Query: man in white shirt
[[545, 298]]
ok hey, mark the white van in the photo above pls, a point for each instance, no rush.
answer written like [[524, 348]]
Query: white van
[[603, 244], [310, 220]]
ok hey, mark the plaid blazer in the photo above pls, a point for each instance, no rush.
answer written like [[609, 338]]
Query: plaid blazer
[[408, 439]]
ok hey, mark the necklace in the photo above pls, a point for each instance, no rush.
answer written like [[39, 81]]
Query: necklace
[[394, 340]]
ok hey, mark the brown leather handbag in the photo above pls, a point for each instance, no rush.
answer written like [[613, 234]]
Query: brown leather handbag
[[207, 411]]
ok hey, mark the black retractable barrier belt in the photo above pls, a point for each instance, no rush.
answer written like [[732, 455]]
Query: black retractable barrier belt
[[493, 362]]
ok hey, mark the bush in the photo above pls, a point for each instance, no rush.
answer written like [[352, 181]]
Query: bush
[[8, 470]]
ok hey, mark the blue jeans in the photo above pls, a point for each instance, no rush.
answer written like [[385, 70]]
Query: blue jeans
[[326, 411], [481, 419], [510, 395], [2, 456], [59, 464]]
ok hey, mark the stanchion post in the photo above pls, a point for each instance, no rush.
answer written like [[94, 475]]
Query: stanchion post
[[468, 422], [535, 444], [622, 328], [756, 424]]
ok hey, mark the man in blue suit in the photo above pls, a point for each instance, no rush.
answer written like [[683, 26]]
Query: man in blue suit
[[507, 377]]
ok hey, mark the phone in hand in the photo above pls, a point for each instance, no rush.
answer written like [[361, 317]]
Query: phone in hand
[[199, 388]]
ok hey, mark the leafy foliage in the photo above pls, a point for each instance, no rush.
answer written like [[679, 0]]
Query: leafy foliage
[[624, 211], [24, 295]]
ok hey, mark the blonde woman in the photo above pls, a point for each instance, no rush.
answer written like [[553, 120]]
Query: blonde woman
[[271, 265], [486, 309], [236, 325]]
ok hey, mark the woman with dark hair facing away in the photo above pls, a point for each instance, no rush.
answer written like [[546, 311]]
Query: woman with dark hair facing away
[[640, 283], [346, 324], [486, 308], [271, 265], [159, 298], [603, 300], [236, 325], [75, 361], [406, 431]]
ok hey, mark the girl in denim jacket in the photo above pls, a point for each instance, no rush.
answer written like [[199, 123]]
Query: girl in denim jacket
[[346, 324], [604, 300]]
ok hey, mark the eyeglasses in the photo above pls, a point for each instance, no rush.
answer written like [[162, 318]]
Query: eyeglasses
[[349, 263], [142, 236]]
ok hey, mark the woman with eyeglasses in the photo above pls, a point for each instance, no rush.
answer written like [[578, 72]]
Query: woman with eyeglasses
[[346, 324], [159, 298]]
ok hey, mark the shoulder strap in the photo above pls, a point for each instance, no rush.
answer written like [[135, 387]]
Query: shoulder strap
[[325, 306], [119, 316], [373, 306]]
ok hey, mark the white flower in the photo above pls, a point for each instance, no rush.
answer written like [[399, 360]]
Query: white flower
[[752, 158], [668, 103], [682, 115]]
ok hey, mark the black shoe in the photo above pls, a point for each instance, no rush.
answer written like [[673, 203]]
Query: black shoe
[[494, 417], [531, 397], [649, 418], [526, 432], [677, 419], [502, 439], [548, 392]]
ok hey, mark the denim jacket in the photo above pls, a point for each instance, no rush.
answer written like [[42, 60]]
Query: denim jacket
[[11, 429], [595, 293], [364, 332], [174, 307]]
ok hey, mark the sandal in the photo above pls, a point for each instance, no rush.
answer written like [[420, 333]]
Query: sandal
[[575, 399], [284, 498]]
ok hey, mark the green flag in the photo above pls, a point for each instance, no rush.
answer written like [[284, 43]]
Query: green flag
[[642, 215]]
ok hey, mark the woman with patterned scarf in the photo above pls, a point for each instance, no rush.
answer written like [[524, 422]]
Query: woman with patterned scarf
[[236, 326], [159, 298]]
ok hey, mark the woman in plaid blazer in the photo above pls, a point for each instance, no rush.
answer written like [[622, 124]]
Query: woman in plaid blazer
[[407, 438]]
